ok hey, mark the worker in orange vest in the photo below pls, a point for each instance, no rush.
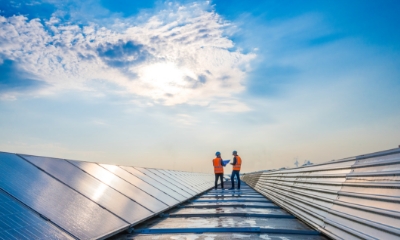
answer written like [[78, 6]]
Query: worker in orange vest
[[237, 163], [218, 170]]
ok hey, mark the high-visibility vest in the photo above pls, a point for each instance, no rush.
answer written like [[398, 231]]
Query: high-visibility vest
[[218, 168], [238, 164]]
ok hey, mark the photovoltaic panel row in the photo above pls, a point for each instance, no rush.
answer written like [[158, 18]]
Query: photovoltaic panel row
[[19, 222], [164, 182], [173, 182], [92, 188], [90, 200], [145, 187], [155, 183], [122, 186], [190, 180], [186, 179], [65, 207], [185, 183]]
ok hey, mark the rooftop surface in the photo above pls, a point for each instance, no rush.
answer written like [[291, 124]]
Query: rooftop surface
[[224, 214]]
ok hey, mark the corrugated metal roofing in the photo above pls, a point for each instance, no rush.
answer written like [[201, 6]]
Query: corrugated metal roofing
[[351, 198], [224, 214]]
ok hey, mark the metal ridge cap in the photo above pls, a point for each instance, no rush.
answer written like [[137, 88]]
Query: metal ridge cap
[[303, 170], [346, 183], [310, 182], [373, 174], [385, 198], [380, 163], [358, 157], [315, 175], [373, 184]]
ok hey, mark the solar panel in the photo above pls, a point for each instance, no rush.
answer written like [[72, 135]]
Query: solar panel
[[197, 180], [65, 207], [92, 188], [185, 182], [161, 180], [173, 181], [154, 183], [19, 222], [122, 186], [145, 187]]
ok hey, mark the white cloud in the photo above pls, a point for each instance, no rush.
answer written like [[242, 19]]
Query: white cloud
[[179, 55], [185, 120]]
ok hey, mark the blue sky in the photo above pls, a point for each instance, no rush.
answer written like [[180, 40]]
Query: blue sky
[[167, 83]]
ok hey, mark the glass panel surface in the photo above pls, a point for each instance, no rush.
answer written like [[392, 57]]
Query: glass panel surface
[[196, 180], [172, 181], [121, 186], [92, 188], [20, 222], [184, 182], [161, 180], [189, 178], [65, 207], [154, 183], [139, 183]]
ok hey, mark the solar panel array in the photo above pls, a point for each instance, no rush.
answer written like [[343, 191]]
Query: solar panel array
[[50, 198]]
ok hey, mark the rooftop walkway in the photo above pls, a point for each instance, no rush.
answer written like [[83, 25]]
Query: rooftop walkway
[[224, 214]]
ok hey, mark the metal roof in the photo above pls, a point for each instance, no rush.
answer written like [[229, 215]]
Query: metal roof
[[351, 198], [224, 214]]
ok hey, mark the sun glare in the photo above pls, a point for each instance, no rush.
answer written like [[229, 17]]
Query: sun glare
[[165, 78]]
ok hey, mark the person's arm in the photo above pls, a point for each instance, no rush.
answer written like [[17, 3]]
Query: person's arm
[[222, 163], [234, 161]]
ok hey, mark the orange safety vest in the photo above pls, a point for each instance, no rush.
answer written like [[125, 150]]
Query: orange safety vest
[[238, 164], [218, 168]]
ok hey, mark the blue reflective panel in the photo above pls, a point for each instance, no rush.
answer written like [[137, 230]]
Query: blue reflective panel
[[154, 183], [65, 207], [20, 222], [122, 186], [145, 187], [172, 181], [92, 188], [161, 180]]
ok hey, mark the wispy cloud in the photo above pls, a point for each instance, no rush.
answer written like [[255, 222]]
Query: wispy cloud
[[181, 54]]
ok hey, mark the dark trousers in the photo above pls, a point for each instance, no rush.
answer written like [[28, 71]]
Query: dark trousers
[[219, 175], [235, 173]]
